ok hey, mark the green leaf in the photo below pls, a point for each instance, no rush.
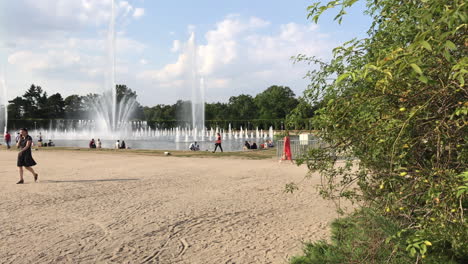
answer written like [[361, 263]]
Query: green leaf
[[426, 45], [423, 79], [423, 249], [342, 77], [450, 45], [416, 68]]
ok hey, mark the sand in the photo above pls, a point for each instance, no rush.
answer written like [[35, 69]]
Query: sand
[[129, 208]]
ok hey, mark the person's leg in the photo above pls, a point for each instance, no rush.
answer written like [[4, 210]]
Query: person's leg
[[216, 147], [30, 169], [21, 174], [220, 147]]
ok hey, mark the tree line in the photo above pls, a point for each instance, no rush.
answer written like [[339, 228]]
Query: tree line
[[274, 103], [35, 103]]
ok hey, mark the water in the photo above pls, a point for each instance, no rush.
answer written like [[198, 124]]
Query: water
[[145, 137], [111, 115], [197, 85], [70, 133], [161, 144]]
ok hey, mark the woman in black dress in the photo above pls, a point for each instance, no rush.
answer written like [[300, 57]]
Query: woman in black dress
[[24, 156]]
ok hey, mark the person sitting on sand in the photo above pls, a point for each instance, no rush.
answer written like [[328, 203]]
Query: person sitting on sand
[[270, 143], [92, 144], [123, 145], [254, 146], [194, 146], [99, 143], [246, 145], [40, 139], [51, 143]]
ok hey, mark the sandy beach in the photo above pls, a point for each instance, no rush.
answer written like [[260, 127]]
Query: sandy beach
[[132, 208]]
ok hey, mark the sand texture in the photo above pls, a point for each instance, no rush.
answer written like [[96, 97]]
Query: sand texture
[[129, 208]]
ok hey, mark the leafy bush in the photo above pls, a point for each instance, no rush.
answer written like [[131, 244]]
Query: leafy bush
[[361, 238], [397, 114]]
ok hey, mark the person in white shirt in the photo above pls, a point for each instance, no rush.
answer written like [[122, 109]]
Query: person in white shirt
[[194, 146]]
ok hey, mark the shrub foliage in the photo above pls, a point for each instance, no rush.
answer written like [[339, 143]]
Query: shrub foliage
[[396, 113]]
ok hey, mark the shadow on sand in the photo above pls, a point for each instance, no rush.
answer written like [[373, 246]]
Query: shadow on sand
[[90, 181]]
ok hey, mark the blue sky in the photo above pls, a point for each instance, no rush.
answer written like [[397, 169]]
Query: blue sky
[[243, 46]]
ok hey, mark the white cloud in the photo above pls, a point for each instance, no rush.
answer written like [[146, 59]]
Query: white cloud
[[176, 45], [33, 19], [237, 55], [244, 56], [139, 12]]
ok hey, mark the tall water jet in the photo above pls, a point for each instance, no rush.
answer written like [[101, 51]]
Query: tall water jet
[[198, 87], [113, 109], [112, 63]]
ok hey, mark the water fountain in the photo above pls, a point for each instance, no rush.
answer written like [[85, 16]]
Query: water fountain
[[111, 113], [198, 91], [111, 116]]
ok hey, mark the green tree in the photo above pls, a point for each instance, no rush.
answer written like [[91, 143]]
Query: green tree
[[217, 111], [16, 108], [275, 102], [34, 97], [301, 116], [160, 113], [242, 107], [74, 106], [399, 105], [55, 106]]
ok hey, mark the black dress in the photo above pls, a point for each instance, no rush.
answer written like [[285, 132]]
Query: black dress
[[25, 158]]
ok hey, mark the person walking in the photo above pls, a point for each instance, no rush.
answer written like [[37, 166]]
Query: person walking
[[25, 158], [7, 139], [218, 143]]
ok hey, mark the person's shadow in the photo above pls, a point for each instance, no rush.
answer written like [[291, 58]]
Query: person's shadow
[[90, 181]]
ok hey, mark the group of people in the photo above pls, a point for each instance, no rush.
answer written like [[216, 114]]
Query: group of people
[[95, 144], [98, 144], [195, 147], [41, 143], [248, 145], [121, 145]]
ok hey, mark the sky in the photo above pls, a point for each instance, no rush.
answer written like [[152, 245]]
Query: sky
[[243, 46]]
